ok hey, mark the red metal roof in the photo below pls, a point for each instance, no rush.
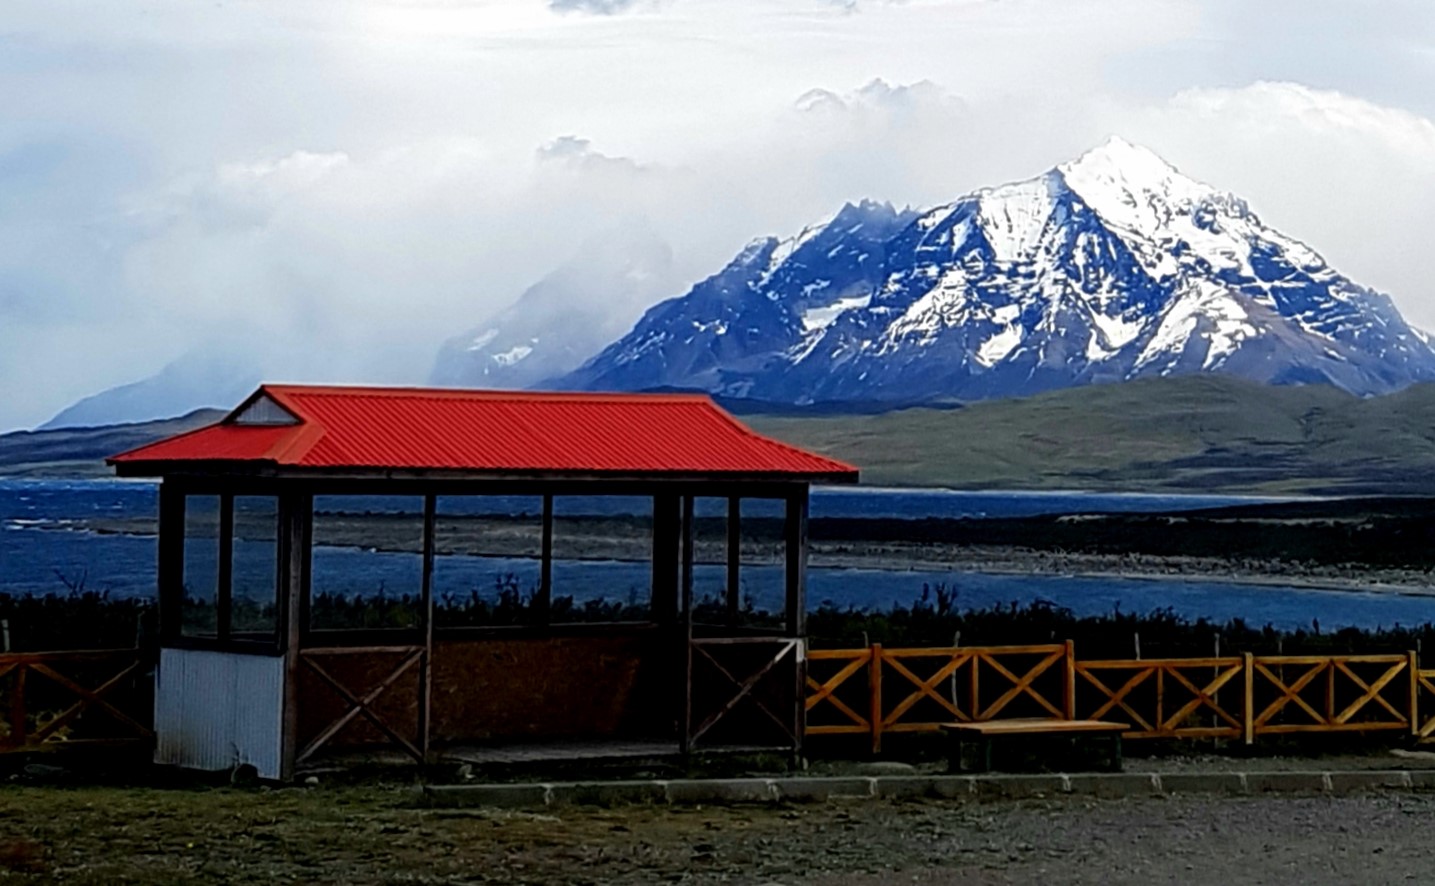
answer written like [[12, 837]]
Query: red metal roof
[[487, 432]]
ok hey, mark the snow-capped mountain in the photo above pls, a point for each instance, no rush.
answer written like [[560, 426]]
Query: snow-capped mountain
[[1113, 266]]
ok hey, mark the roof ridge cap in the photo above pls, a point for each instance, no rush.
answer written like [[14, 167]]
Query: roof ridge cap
[[286, 392]]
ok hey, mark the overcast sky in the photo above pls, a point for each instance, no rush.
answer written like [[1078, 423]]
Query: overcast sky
[[339, 185]]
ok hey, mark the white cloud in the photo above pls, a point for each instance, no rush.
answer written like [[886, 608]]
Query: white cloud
[[594, 7], [355, 181], [1353, 178]]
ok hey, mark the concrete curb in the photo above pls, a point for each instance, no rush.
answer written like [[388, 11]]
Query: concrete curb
[[813, 789]]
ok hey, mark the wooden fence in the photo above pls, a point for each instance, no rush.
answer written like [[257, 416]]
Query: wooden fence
[[58, 699], [877, 691], [67, 699]]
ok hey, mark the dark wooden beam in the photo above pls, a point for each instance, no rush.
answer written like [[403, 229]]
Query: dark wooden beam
[[224, 587], [667, 539], [687, 569], [734, 557], [686, 591], [216, 479], [544, 603], [295, 539], [170, 565], [796, 605], [426, 621], [796, 571]]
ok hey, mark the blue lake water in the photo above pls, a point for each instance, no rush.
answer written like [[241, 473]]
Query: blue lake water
[[39, 555]]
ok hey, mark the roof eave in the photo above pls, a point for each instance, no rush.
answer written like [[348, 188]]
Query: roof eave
[[272, 470]]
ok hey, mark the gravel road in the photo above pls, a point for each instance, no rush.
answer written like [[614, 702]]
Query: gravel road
[[372, 835]]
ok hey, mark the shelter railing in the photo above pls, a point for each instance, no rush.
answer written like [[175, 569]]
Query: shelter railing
[[358, 681], [876, 691], [70, 699]]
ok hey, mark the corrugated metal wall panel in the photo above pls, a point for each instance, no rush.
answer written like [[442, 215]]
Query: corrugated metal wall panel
[[213, 710]]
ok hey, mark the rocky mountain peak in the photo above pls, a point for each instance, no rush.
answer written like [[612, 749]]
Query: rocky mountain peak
[[1113, 266]]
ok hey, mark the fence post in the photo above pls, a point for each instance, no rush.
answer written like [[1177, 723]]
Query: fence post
[[1412, 663], [874, 686], [1069, 690], [17, 707], [1248, 719]]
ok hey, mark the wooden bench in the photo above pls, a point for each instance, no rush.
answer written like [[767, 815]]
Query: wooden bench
[[985, 732]]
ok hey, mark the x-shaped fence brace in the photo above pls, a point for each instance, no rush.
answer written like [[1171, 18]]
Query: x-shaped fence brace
[[927, 687], [86, 698], [360, 705], [744, 689], [1020, 685], [1425, 685], [1202, 696], [1290, 693], [856, 663]]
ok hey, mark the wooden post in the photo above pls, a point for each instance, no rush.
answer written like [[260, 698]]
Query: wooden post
[[796, 571], [294, 540], [224, 588], [1069, 695], [799, 702], [975, 686], [1248, 720], [734, 557], [1215, 673], [426, 619], [796, 597], [686, 606], [874, 691], [17, 706], [1330, 692], [1160, 697], [170, 567], [544, 603], [1412, 664]]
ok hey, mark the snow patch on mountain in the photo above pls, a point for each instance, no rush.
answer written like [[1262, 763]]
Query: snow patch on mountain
[[817, 319]]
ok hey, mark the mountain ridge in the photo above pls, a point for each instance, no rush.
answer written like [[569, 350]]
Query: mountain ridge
[[1113, 266]]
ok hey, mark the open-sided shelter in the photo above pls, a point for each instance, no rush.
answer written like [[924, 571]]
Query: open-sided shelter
[[271, 688]]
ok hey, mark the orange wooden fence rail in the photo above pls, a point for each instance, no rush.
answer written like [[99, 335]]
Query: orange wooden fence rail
[[877, 691]]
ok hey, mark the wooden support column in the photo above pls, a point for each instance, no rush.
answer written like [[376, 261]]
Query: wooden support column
[[544, 603], [295, 538], [795, 536], [426, 618], [224, 588], [170, 568], [734, 558], [686, 606], [667, 538]]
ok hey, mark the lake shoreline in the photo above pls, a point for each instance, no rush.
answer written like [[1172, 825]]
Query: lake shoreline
[[599, 542]]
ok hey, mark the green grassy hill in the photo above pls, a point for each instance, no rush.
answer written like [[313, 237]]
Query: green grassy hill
[[1197, 433]]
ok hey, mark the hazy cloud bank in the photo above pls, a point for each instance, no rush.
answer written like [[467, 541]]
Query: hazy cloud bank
[[342, 187]]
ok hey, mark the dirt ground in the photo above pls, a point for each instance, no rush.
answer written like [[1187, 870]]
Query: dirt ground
[[373, 835]]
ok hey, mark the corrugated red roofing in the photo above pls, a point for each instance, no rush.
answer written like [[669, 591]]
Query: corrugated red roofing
[[490, 432]]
